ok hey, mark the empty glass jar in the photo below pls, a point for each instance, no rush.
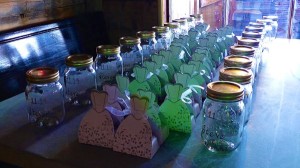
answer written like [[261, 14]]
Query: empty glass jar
[[108, 64], [44, 97], [255, 43], [191, 22], [174, 29], [184, 27], [274, 25], [223, 116], [243, 77], [148, 43], [163, 37], [79, 79], [131, 53], [198, 18]]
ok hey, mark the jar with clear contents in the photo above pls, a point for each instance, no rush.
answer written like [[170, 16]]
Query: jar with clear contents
[[148, 44], [79, 79], [190, 22], [255, 43], [222, 116], [241, 62], [131, 53], [107, 65], [247, 51], [174, 29], [243, 77], [163, 37], [198, 19], [183, 26], [274, 25], [268, 28], [44, 97]]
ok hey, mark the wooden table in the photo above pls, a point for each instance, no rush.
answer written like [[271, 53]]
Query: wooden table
[[271, 138]]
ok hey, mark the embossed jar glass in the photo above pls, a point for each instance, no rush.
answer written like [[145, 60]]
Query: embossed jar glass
[[184, 27], [198, 18], [174, 29], [191, 22], [131, 53], [108, 64], [274, 25], [241, 62], [243, 77], [163, 37], [268, 30], [148, 44], [247, 51], [44, 97], [79, 79], [223, 116], [255, 43]]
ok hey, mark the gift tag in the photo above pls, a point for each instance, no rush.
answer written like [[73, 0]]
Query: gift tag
[[96, 127], [204, 72], [140, 81], [153, 108], [134, 135], [174, 112], [161, 69]]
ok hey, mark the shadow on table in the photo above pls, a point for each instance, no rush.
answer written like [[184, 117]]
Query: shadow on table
[[82, 155], [29, 134]]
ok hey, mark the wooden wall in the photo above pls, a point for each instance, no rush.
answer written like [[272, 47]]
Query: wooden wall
[[18, 13]]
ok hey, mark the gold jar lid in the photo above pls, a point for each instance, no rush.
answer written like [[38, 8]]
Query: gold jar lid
[[248, 42], [181, 21], [265, 21], [255, 24], [254, 29], [235, 74], [189, 19], [42, 75], [198, 15], [108, 49], [145, 34], [242, 50], [79, 60], [161, 29], [271, 17], [253, 34], [129, 40], [238, 61], [225, 91], [172, 25]]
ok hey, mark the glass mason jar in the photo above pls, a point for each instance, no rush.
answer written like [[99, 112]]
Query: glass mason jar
[[184, 27], [79, 79], [241, 62], [174, 29], [243, 77], [258, 50], [108, 64], [190, 22], [274, 25], [198, 18], [163, 37], [223, 116], [131, 53], [268, 28], [148, 44], [44, 97], [254, 29], [243, 50]]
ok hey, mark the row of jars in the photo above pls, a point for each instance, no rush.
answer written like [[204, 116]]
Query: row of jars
[[228, 105], [46, 96]]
